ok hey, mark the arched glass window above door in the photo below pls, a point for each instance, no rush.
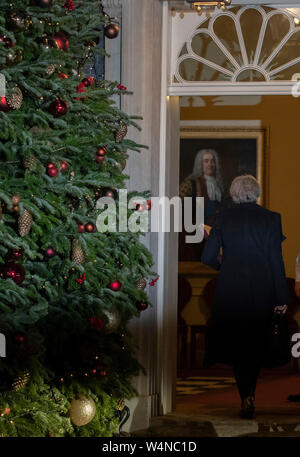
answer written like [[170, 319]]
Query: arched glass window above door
[[243, 44]]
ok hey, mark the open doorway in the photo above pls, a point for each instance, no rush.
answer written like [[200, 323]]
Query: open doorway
[[248, 136]]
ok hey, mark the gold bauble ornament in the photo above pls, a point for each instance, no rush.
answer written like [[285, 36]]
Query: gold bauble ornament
[[21, 380], [15, 98], [25, 222], [141, 284], [121, 132], [77, 253], [114, 319], [82, 410]]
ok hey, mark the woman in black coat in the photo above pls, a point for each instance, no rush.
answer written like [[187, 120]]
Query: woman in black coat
[[251, 285]]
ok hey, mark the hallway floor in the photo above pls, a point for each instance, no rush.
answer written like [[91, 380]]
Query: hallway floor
[[212, 409]]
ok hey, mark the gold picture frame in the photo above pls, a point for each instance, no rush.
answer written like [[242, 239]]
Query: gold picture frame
[[261, 135]]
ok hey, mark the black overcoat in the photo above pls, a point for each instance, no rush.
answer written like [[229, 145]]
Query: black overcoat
[[251, 282]]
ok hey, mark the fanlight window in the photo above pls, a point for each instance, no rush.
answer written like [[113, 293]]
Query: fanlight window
[[242, 44]]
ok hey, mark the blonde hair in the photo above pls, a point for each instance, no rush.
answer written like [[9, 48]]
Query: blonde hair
[[245, 189]]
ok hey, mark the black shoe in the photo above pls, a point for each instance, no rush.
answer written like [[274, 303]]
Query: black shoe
[[247, 409], [295, 398]]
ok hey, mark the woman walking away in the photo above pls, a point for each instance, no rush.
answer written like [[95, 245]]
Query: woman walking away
[[251, 286]]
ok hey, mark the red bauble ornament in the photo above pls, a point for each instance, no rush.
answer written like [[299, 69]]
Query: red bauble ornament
[[101, 151], [111, 30], [149, 205], [13, 271], [63, 76], [100, 159], [61, 40], [141, 306], [50, 253], [81, 228], [89, 81], [52, 170], [89, 227], [103, 373], [97, 323], [4, 106], [8, 42], [64, 166], [58, 108], [6, 411], [115, 285], [20, 338], [110, 193]]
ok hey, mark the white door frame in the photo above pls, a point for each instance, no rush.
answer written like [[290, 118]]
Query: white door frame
[[168, 186]]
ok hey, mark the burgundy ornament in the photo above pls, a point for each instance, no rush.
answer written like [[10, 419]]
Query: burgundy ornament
[[101, 151], [20, 338], [64, 166], [14, 271], [61, 41], [52, 170], [110, 193], [111, 30], [97, 323], [89, 81], [115, 285], [16, 254], [90, 227], [81, 228], [8, 42], [4, 106], [58, 108], [149, 205], [141, 306], [100, 159], [50, 252]]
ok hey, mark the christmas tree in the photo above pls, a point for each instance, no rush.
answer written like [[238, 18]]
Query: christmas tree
[[67, 290]]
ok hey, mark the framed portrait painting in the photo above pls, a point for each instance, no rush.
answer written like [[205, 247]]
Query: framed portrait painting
[[213, 157]]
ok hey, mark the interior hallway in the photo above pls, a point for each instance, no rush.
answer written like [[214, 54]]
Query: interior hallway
[[214, 412]]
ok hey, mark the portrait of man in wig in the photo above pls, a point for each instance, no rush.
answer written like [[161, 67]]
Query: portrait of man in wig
[[205, 181]]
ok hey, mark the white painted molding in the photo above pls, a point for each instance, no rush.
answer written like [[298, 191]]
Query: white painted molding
[[186, 27], [180, 5], [220, 123], [223, 88]]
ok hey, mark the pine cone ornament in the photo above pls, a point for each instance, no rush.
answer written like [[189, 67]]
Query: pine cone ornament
[[15, 98], [77, 253], [21, 380], [25, 222], [121, 132], [51, 69], [141, 284], [30, 162]]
